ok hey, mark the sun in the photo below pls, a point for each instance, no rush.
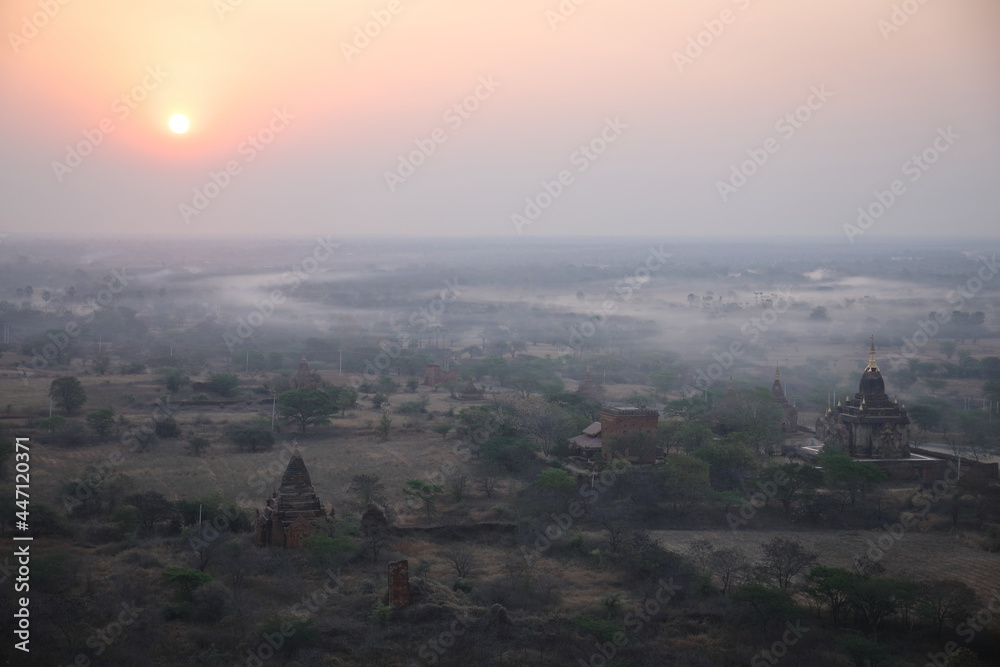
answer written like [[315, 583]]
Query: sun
[[179, 123]]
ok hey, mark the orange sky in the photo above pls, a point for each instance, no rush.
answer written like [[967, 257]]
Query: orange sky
[[558, 82]]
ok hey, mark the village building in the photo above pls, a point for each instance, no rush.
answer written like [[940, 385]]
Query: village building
[[869, 425], [289, 513]]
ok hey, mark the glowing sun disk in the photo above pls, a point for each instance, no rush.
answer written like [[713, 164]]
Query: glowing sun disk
[[179, 123]]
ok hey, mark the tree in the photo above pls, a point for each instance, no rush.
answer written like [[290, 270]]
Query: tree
[[830, 586], [173, 379], [369, 489], [685, 480], [101, 422], [252, 435], [153, 507], [946, 603], [878, 598], [68, 393], [343, 397], [198, 445], [167, 428], [488, 475], [850, 477], [991, 390], [663, 381], [731, 566], [223, 384], [382, 429], [442, 429], [755, 414], [306, 407], [783, 559], [691, 436], [184, 581], [926, 417], [767, 603], [463, 560], [556, 480], [425, 492], [800, 480], [948, 347], [730, 462]]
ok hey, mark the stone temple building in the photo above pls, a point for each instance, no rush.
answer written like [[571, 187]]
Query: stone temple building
[[870, 425], [288, 515]]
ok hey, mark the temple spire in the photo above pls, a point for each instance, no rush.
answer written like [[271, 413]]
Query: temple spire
[[871, 357]]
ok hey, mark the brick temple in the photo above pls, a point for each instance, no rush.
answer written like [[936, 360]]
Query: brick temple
[[288, 516]]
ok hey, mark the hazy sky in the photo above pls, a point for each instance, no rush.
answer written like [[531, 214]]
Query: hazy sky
[[312, 117]]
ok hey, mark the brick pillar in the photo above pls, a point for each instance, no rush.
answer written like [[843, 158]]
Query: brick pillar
[[399, 584]]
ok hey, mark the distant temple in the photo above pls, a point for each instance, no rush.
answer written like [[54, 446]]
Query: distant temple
[[433, 375], [287, 517], [303, 378], [868, 426], [471, 392], [588, 389], [790, 423]]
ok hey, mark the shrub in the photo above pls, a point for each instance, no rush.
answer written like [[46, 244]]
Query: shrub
[[167, 428], [253, 435], [210, 603], [185, 581]]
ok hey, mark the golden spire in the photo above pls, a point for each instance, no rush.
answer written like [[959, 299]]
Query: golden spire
[[871, 357], [777, 373]]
